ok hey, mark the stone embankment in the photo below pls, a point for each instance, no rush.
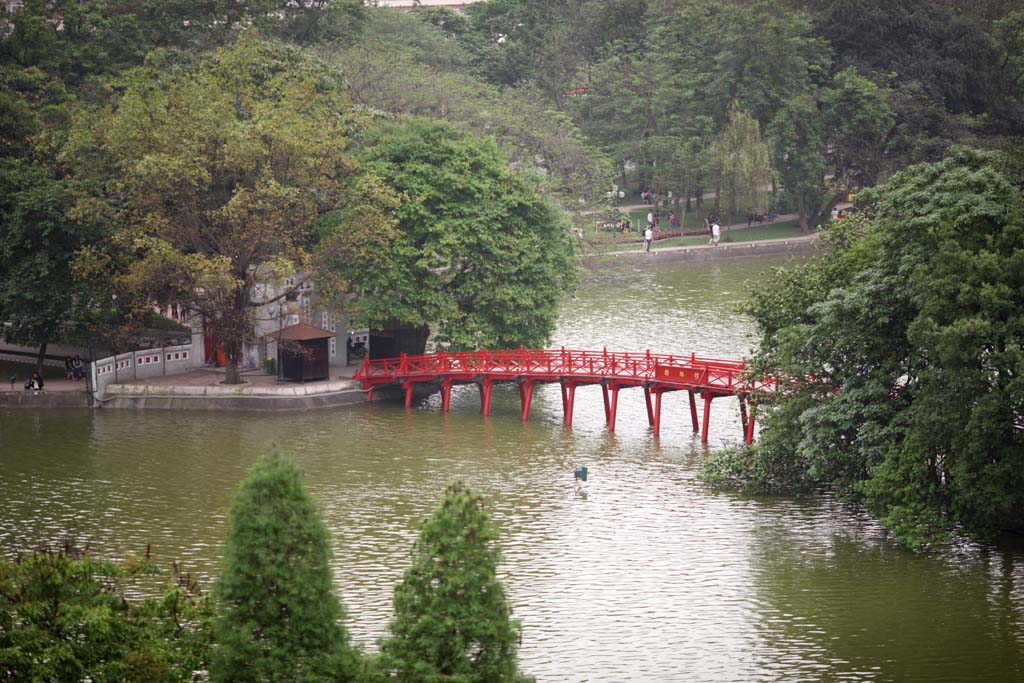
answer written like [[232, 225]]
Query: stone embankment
[[248, 397]]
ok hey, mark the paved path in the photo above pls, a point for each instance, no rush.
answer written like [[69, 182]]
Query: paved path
[[214, 377], [639, 249]]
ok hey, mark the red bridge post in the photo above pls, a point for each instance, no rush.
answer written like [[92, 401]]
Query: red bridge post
[[707, 417], [614, 406], [657, 411], [526, 396], [647, 400], [693, 411], [568, 401], [446, 395], [748, 425], [485, 386]]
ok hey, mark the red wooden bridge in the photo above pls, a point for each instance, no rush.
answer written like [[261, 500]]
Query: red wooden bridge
[[656, 374]]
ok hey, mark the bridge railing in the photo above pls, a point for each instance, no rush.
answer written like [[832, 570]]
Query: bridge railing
[[729, 375]]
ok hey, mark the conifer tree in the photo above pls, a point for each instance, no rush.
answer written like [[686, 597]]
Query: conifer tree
[[278, 616], [452, 620]]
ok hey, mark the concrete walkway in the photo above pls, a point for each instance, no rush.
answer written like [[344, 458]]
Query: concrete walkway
[[723, 247], [204, 389]]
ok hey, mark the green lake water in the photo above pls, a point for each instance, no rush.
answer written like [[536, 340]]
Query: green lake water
[[646, 576]]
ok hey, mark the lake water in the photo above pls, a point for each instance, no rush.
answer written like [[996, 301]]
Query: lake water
[[645, 575]]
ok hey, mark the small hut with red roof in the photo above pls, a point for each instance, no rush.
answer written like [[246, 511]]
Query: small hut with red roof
[[302, 352]]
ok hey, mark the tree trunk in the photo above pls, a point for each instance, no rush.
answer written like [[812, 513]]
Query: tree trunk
[[232, 362], [819, 216], [801, 210], [40, 357]]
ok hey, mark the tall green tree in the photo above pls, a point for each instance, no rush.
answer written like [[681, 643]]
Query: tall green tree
[[832, 141], [906, 340], [452, 620], [217, 175], [481, 257], [40, 295], [797, 134], [278, 616]]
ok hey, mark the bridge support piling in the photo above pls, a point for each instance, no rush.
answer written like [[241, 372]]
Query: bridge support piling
[[525, 397], [446, 395], [743, 416], [407, 386], [650, 410], [568, 401], [607, 405], [485, 387], [657, 412], [707, 418], [748, 426], [693, 411], [614, 407]]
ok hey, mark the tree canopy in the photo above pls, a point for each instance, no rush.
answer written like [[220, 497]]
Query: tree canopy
[[216, 174], [909, 336], [481, 255]]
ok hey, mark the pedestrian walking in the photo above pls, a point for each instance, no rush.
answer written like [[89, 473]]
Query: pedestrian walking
[[716, 233], [648, 237]]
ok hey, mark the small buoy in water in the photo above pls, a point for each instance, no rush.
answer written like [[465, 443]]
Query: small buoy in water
[[581, 472]]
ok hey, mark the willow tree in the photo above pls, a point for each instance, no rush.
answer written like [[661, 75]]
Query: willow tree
[[216, 174], [744, 163]]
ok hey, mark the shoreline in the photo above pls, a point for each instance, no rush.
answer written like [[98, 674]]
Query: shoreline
[[811, 244]]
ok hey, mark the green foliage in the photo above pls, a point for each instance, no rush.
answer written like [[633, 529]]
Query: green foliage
[[743, 162], [39, 293], [907, 342], [215, 175], [452, 620], [278, 618], [959, 61], [481, 255], [64, 616], [407, 67]]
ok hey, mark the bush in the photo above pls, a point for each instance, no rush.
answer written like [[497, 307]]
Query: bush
[[64, 617]]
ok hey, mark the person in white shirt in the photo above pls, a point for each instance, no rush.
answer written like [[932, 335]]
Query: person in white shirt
[[648, 237], [716, 233]]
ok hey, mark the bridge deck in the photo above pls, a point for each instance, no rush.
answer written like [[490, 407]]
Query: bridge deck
[[709, 378]]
